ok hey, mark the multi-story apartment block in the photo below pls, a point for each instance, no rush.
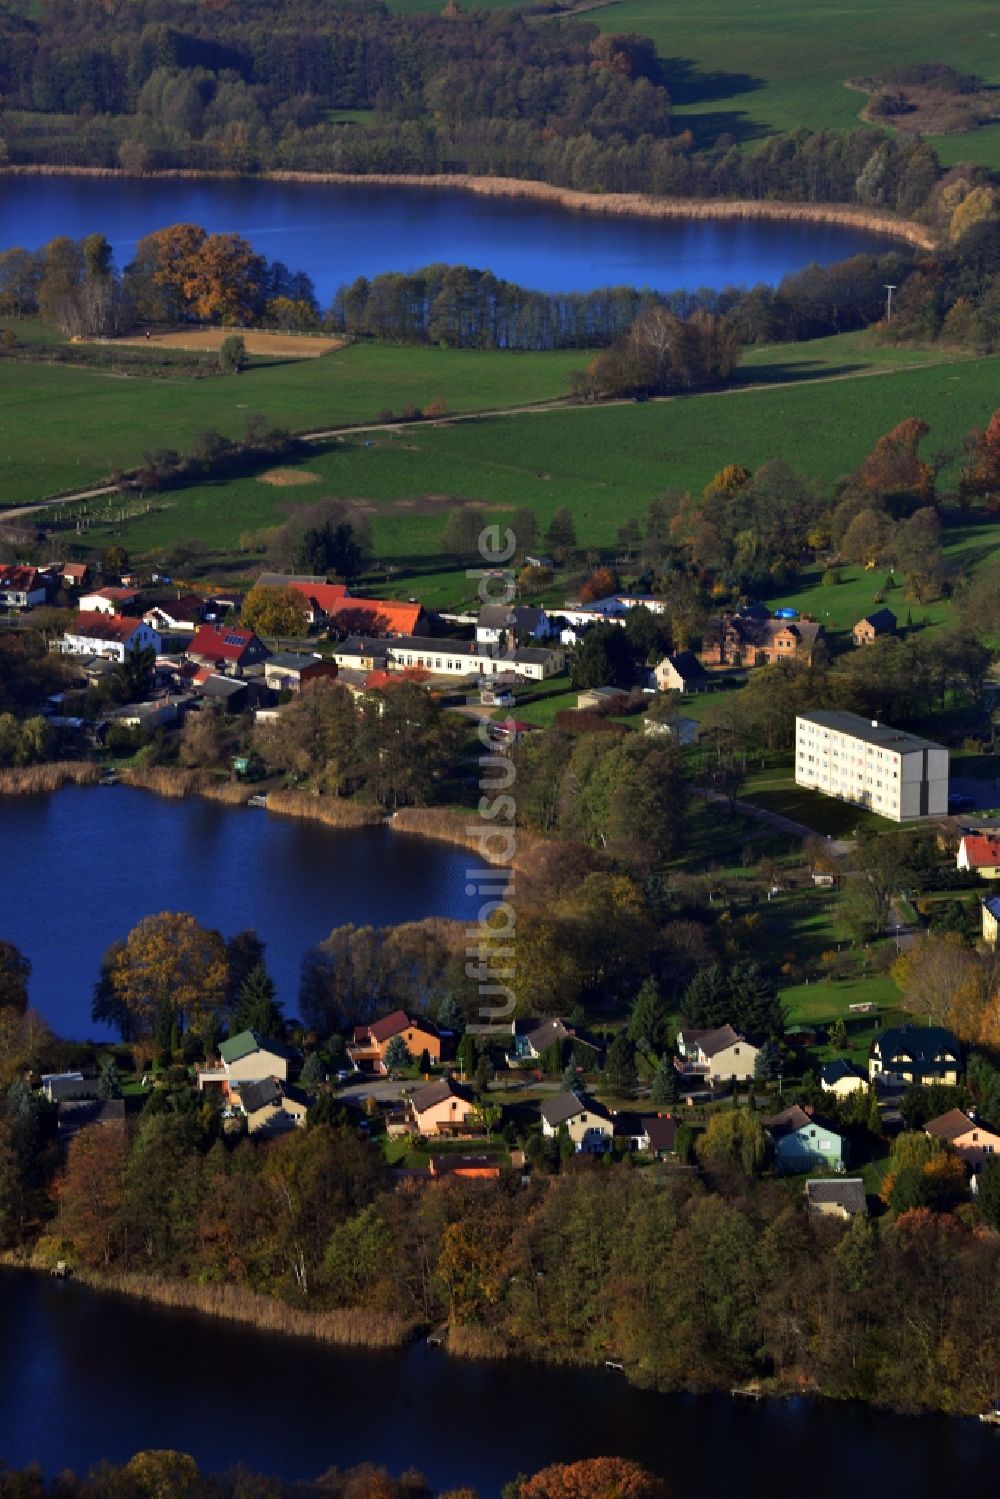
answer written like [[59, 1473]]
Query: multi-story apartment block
[[858, 760]]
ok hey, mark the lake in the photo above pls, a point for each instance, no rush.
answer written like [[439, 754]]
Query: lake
[[336, 232], [92, 861], [87, 1375]]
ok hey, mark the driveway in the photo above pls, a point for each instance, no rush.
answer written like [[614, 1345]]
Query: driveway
[[985, 794]]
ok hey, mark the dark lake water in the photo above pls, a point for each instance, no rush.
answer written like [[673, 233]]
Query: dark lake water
[[92, 861], [338, 232], [87, 1375]]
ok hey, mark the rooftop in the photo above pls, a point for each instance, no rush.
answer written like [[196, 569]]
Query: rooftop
[[868, 730], [847, 1192]]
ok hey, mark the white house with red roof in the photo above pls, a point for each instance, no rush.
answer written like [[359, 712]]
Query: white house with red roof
[[227, 649], [93, 633], [21, 587], [109, 600], [980, 853]]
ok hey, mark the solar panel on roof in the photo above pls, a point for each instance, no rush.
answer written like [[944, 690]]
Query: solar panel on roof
[[233, 639]]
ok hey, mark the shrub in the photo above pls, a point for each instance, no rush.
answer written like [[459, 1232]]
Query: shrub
[[232, 354], [830, 578]]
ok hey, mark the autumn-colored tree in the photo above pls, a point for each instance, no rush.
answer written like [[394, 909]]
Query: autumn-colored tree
[[168, 960], [981, 474], [727, 482], [162, 264], [594, 1478], [894, 468], [602, 582], [273, 611], [935, 970], [15, 970], [222, 283], [91, 1190], [163, 1475]]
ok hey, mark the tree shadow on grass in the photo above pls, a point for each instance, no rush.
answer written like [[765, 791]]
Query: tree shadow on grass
[[690, 86], [782, 374]]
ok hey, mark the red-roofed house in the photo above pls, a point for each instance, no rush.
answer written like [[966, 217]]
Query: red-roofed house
[[109, 600], [228, 650], [323, 599], [184, 613], [74, 574], [980, 852], [375, 617], [370, 1041], [93, 633], [20, 587]]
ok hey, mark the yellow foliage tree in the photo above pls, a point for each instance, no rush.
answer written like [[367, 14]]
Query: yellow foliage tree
[[169, 959], [980, 204], [272, 611]]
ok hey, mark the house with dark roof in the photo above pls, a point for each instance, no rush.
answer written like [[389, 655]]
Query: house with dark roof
[[94, 633], [973, 1141], [290, 671], [836, 1196], [681, 672], [273, 1107], [802, 1141], [659, 1134], [739, 640], [990, 913], [227, 649], [443, 1107], [842, 1077], [980, 854], [369, 1044], [588, 1124], [874, 627], [909, 1054], [719, 1055], [503, 624], [182, 615]]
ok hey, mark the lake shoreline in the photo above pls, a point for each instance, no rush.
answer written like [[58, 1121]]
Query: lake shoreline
[[624, 205]]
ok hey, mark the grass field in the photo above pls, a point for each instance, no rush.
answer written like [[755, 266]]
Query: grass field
[[605, 463], [777, 65]]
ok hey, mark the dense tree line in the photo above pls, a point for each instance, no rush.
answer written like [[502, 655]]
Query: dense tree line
[[494, 93]]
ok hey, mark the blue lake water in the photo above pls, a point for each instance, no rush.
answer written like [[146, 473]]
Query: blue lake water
[[336, 232]]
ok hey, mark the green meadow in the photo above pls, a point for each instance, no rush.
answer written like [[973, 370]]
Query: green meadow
[[605, 463]]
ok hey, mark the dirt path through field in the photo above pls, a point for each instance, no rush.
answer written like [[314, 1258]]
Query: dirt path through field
[[258, 341]]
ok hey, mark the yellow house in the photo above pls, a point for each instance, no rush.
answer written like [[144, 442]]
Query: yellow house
[[588, 1125], [443, 1107]]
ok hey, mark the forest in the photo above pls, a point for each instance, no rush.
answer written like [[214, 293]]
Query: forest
[[308, 86]]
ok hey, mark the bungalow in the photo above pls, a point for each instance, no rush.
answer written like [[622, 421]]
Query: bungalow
[[246, 1058], [682, 672], [836, 1197], [980, 854], [874, 626], [228, 650], [720, 1055], [442, 1107], [502, 624], [617, 604], [659, 1135], [181, 615], [842, 1077], [74, 574], [911, 1054], [109, 600], [368, 1048], [475, 1167], [990, 910], [588, 1125], [290, 671], [21, 587], [357, 654], [802, 1141], [58, 1086], [973, 1141], [273, 1107], [599, 697], [109, 635], [230, 692]]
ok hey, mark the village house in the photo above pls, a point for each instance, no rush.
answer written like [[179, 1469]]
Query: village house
[[532, 1039], [720, 1055], [290, 671], [109, 600], [802, 1141], [470, 1167], [739, 640], [618, 604], [228, 650], [74, 574], [979, 853], [858, 760], [356, 654], [273, 1107], [837, 1197], [442, 1107], [972, 1141], [909, 1054], [600, 697], [246, 1058], [181, 615], [990, 912], [682, 672], [21, 587], [588, 1125], [370, 1042], [659, 1135], [842, 1077], [503, 624], [322, 598], [874, 626], [108, 636], [231, 693]]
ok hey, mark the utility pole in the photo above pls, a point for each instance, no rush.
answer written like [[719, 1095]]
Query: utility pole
[[889, 289]]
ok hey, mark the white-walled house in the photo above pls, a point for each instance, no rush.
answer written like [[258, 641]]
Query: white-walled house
[[588, 1125], [21, 587], [109, 636], [109, 600], [720, 1055]]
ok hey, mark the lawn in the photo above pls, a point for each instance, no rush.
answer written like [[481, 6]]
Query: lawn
[[62, 426], [825, 814], [605, 463], [777, 65]]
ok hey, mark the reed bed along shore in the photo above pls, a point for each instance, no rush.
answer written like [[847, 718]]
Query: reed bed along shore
[[333, 811], [465, 830], [639, 205], [29, 779]]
